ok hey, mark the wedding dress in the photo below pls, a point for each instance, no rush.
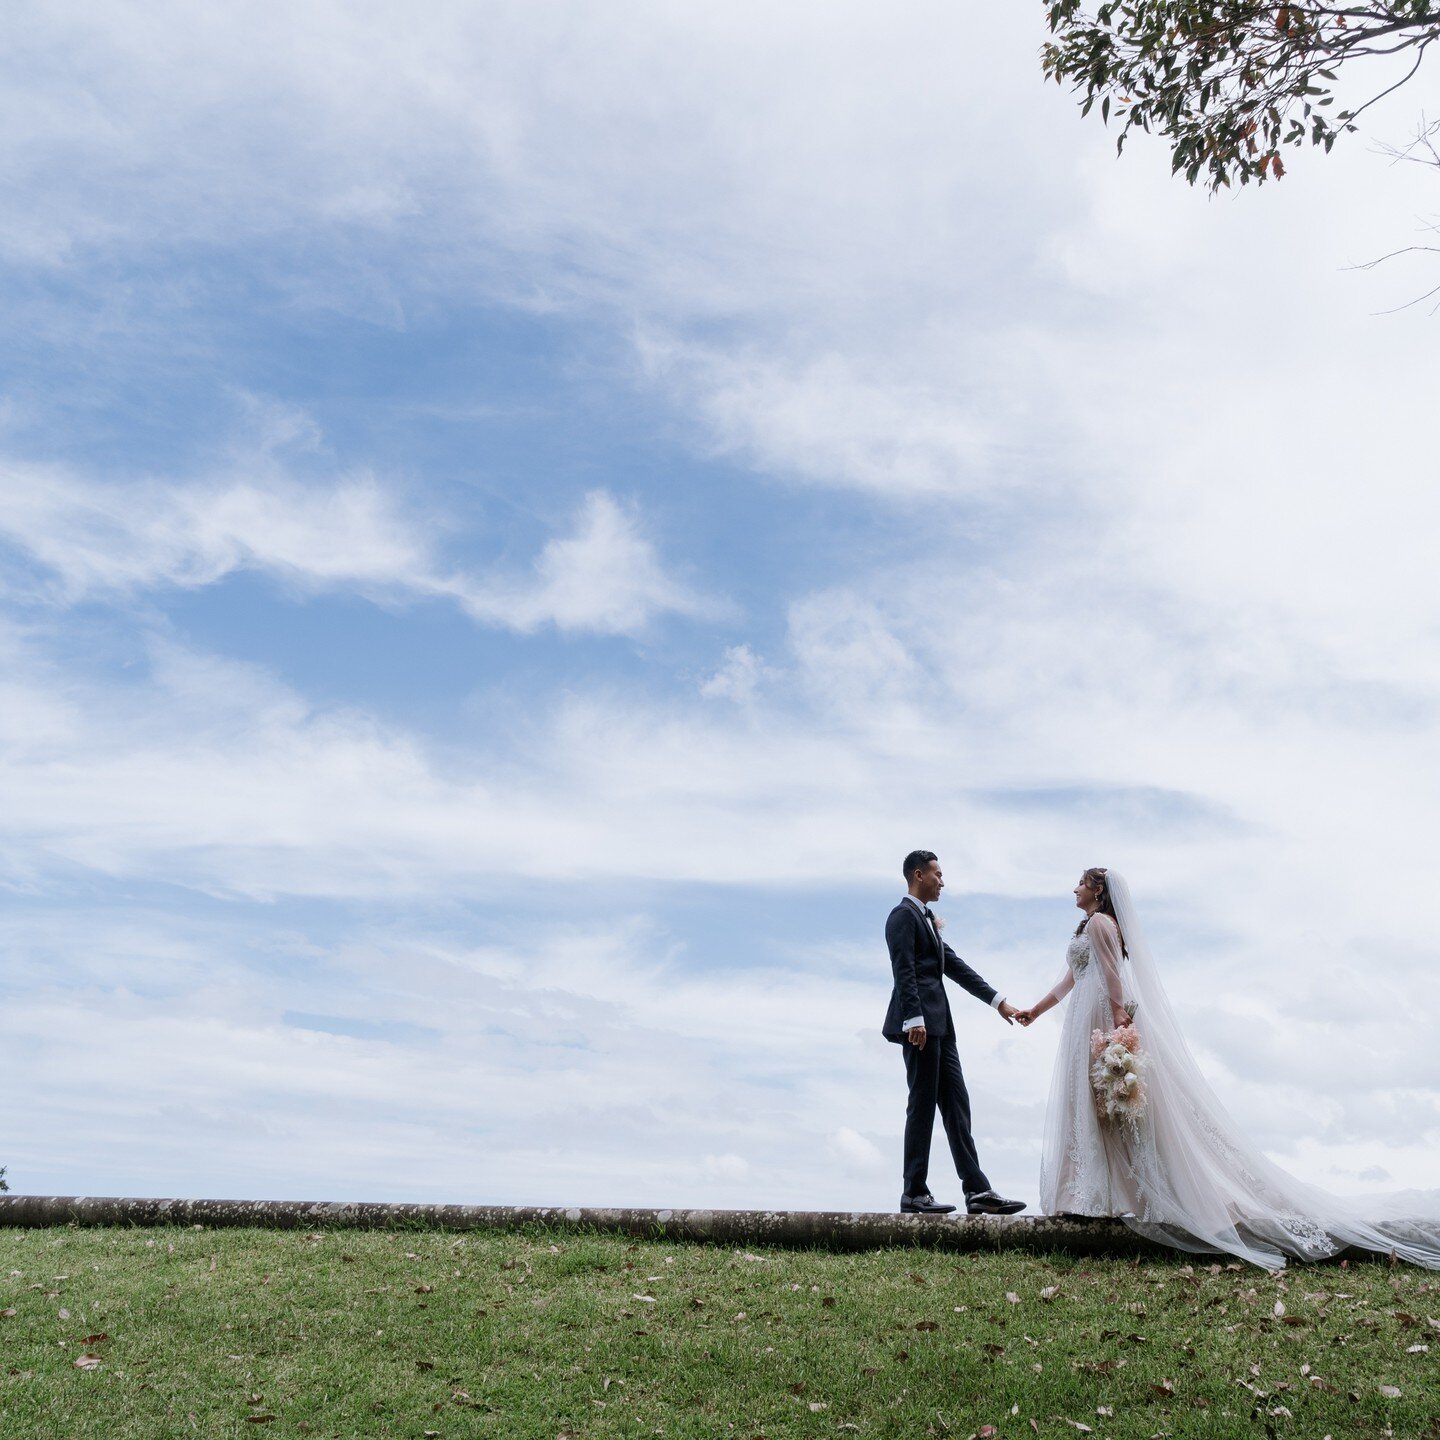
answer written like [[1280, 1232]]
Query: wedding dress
[[1183, 1173]]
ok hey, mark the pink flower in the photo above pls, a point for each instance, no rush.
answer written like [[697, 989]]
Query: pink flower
[[1097, 1044]]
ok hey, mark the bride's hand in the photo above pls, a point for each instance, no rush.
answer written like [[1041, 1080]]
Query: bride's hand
[[1024, 1017], [1121, 1017]]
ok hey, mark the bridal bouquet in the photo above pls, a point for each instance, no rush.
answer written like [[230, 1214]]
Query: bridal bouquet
[[1117, 1071]]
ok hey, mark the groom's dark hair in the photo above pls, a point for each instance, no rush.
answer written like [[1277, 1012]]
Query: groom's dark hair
[[916, 861]]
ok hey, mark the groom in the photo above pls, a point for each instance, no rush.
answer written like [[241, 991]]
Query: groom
[[919, 1019]]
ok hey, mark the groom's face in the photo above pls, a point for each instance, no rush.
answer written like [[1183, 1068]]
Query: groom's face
[[929, 883]]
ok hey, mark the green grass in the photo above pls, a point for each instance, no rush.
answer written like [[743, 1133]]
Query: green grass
[[246, 1333]]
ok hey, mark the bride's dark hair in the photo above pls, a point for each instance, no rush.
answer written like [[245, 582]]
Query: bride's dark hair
[[1094, 877]]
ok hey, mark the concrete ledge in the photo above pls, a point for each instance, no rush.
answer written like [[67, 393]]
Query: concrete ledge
[[829, 1230]]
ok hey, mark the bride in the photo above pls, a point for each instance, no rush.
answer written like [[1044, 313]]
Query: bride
[[1162, 1153]]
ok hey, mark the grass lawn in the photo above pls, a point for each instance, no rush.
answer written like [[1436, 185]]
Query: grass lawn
[[429, 1334]]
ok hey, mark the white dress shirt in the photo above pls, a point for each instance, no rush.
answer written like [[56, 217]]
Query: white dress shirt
[[920, 905]]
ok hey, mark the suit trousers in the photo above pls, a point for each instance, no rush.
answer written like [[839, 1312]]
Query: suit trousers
[[936, 1082]]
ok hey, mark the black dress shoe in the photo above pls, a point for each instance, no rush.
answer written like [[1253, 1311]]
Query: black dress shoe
[[925, 1204], [987, 1202]]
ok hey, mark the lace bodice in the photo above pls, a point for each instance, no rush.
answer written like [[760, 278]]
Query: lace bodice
[[1100, 941]]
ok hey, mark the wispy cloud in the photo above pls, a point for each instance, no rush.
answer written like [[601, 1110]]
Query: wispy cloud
[[605, 577], [110, 540]]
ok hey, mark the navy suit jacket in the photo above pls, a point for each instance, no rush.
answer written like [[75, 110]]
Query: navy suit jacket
[[920, 960]]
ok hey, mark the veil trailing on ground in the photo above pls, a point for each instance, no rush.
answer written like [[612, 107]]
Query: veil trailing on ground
[[1207, 1188]]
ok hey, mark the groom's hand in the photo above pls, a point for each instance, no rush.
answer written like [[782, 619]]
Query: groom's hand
[[1007, 1011], [916, 1036]]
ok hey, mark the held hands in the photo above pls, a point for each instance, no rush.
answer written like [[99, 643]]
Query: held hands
[[1008, 1013], [1026, 1017]]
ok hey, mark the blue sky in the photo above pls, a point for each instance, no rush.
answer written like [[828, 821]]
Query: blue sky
[[512, 522]]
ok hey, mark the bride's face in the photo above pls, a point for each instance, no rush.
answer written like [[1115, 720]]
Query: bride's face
[[1086, 894]]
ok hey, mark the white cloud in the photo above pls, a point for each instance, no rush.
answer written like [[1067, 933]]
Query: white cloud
[[108, 540], [898, 429], [738, 678], [726, 1168], [97, 538], [854, 1151], [606, 578]]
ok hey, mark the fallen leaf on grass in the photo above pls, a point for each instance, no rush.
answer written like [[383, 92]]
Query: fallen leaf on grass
[[986, 1432], [1049, 1292], [261, 1419], [827, 1301], [9, 1313], [1078, 1425], [1390, 1392], [1417, 1349], [99, 1339], [424, 1289], [1165, 1387], [88, 1362], [816, 1406], [646, 1299], [926, 1325], [1012, 1297], [424, 1364]]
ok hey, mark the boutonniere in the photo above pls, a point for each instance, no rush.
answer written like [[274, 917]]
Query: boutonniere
[[939, 921]]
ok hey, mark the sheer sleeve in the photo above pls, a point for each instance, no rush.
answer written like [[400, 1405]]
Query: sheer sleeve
[[1063, 986], [1105, 947]]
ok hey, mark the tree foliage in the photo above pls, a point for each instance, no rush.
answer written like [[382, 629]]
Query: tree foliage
[[1228, 84]]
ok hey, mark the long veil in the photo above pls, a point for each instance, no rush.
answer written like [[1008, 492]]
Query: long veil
[[1207, 1188]]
